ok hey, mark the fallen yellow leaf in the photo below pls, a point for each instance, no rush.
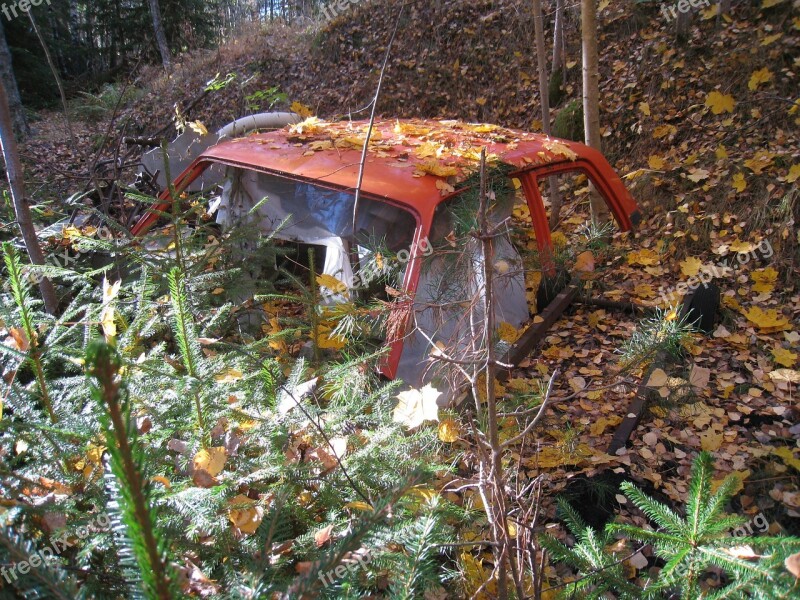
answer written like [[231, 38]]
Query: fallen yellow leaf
[[786, 454], [784, 357], [767, 319], [720, 103], [449, 430], [764, 279], [211, 460], [416, 406], [758, 77], [645, 257], [691, 266], [301, 109]]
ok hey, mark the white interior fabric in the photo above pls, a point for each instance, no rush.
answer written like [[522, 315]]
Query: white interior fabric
[[309, 214], [314, 215], [448, 285]]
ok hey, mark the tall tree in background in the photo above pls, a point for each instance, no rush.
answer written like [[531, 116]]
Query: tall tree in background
[[21, 209], [558, 72], [591, 89], [56, 76], [544, 97], [161, 36], [558, 38], [682, 24], [18, 122]]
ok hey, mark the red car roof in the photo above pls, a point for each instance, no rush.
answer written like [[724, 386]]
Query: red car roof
[[406, 161], [411, 162]]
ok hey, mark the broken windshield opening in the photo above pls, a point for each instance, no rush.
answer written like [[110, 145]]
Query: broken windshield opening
[[305, 213]]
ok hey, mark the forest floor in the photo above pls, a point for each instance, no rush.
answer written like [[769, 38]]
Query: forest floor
[[706, 135]]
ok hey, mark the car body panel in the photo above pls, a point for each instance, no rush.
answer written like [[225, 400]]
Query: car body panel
[[414, 164]]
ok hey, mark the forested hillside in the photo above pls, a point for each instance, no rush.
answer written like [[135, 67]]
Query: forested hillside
[[198, 405]]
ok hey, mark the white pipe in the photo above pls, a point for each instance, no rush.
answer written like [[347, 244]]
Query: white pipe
[[272, 120]]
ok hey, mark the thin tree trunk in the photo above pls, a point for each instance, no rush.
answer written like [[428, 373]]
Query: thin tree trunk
[[544, 96], [21, 209], [161, 36], [591, 90], [18, 122], [541, 60], [723, 8], [55, 76], [558, 37], [682, 24]]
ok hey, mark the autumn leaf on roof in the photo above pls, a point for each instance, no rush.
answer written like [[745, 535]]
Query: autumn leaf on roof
[[357, 141], [483, 128], [474, 153], [301, 109], [560, 149], [429, 149], [434, 167], [410, 129], [310, 126], [321, 145]]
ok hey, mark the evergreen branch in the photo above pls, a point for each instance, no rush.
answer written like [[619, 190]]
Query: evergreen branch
[[736, 566], [658, 512], [21, 298], [712, 509], [699, 490], [103, 363], [417, 561], [643, 535], [50, 580], [183, 326]]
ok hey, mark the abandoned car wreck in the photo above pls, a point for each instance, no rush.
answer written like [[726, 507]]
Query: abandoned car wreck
[[298, 184]]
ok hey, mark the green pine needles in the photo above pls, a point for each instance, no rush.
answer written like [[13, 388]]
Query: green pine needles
[[131, 494], [185, 335], [30, 342], [111, 408], [689, 546]]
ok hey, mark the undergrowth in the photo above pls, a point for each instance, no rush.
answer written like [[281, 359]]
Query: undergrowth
[[199, 459]]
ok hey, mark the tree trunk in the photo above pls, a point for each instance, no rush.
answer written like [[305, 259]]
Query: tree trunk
[[544, 96], [558, 37], [682, 24], [55, 76], [724, 8], [161, 36], [591, 90], [21, 209], [18, 122]]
